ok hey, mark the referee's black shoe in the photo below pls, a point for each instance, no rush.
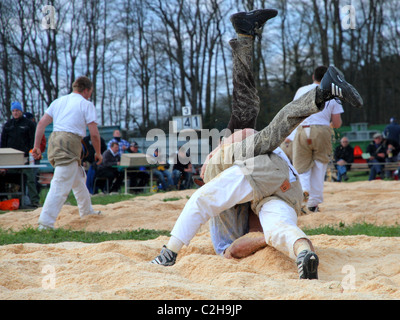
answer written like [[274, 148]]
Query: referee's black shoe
[[333, 85], [251, 23]]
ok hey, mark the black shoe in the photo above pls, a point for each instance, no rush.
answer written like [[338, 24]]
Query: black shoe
[[307, 265], [313, 209], [165, 258], [251, 23], [333, 85]]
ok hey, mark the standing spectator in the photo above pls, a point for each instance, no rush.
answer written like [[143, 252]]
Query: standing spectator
[[19, 133], [343, 155], [392, 131], [137, 179], [162, 173], [35, 172], [106, 169], [312, 145], [182, 169], [377, 151], [70, 115], [123, 144], [89, 162]]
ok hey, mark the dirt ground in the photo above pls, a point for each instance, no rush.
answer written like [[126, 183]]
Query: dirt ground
[[351, 267]]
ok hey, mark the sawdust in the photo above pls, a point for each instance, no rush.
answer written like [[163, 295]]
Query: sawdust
[[351, 267]]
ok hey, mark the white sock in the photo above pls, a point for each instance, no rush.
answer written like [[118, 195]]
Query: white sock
[[301, 245], [175, 244]]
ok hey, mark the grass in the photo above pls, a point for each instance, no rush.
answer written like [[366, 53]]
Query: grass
[[31, 235], [356, 229]]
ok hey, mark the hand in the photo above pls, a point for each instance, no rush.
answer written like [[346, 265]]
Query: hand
[[341, 162], [98, 158], [37, 154]]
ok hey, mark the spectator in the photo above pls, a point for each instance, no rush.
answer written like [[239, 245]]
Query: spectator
[[19, 133], [377, 151], [137, 179], [343, 155], [162, 173], [392, 131], [182, 171], [392, 152], [31, 117], [89, 162], [106, 169], [123, 144]]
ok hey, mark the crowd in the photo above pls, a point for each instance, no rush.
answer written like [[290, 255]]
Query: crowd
[[19, 133]]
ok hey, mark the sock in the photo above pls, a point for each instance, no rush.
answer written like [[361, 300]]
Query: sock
[[174, 244], [301, 245]]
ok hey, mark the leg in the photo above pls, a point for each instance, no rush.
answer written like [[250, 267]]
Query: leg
[[60, 187], [245, 100], [82, 194], [222, 193], [317, 186], [279, 222]]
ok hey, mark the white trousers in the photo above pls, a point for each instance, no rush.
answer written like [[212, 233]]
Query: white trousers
[[278, 219], [312, 181], [65, 178]]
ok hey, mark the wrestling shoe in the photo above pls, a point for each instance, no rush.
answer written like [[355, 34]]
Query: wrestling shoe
[[313, 209], [251, 23], [165, 258], [307, 265], [333, 85]]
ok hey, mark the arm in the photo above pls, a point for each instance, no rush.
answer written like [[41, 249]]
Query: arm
[[40, 128], [95, 138], [336, 121]]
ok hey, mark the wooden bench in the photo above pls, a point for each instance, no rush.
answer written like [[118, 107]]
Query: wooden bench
[[387, 166]]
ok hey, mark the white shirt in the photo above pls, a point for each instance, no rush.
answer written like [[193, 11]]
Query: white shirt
[[292, 171], [72, 113], [322, 118]]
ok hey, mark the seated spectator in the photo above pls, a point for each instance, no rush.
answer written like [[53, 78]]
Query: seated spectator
[[111, 158], [162, 173], [123, 145], [377, 151], [182, 171], [137, 179], [343, 155], [392, 153]]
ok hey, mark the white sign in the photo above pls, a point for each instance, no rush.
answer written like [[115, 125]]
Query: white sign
[[188, 122], [186, 111]]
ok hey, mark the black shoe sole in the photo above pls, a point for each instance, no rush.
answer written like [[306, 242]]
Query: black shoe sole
[[310, 266], [341, 89], [246, 22]]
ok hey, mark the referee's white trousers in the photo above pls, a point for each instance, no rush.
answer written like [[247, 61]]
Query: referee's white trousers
[[65, 178], [312, 181], [278, 219]]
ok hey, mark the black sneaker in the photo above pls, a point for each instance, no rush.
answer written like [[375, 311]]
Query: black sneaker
[[313, 209], [307, 265], [251, 23], [333, 85], [165, 258]]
